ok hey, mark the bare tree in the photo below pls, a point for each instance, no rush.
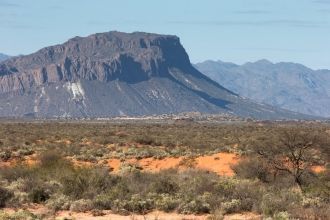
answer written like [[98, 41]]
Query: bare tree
[[295, 151]]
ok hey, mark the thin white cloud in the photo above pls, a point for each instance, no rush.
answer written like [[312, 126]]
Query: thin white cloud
[[322, 1], [253, 12], [283, 22], [8, 4], [325, 11]]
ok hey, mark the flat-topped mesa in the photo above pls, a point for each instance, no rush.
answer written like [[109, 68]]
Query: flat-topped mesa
[[116, 74], [104, 56]]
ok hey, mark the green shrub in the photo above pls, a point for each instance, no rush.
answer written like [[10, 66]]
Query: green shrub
[[58, 202], [281, 216], [253, 168], [87, 183], [146, 140], [299, 212], [276, 202], [217, 214], [194, 206], [50, 159], [5, 155], [81, 205], [249, 193], [164, 186], [127, 168], [104, 201], [5, 195], [136, 204], [38, 195], [16, 172], [19, 215], [166, 202], [232, 206]]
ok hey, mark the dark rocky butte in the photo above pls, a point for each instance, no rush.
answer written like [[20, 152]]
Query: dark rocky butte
[[115, 74]]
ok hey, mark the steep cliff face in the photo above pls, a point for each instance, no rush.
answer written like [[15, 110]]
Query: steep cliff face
[[111, 74], [104, 57]]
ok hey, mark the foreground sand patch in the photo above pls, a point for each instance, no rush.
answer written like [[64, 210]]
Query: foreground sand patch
[[150, 216], [219, 163], [107, 215], [156, 165]]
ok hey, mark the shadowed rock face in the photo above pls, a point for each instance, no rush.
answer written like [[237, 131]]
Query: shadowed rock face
[[104, 57], [111, 74]]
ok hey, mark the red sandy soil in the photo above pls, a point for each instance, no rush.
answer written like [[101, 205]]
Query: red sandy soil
[[155, 165], [39, 209], [78, 163], [28, 160], [318, 169], [114, 164], [6, 164], [149, 216], [219, 163]]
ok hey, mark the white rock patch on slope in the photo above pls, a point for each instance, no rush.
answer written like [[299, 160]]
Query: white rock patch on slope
[[38, 98], [76, 90]]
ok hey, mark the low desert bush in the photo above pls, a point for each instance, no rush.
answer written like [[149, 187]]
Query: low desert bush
[[86, 183], [231, 206], [194, 206], [61, 185], [253, 168], [5, 195], [135, 204], [38, 195], [19, 215], [58, 202], [145, 140], [81, 205], [166, 202], [104, 201], [5, 155], [164, 185], [275, 202], [313, 212]]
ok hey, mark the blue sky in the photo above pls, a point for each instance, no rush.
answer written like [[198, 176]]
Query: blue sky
[[230, 30]]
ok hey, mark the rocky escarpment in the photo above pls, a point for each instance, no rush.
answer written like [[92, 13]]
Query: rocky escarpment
[[115, 74], [102, 57]]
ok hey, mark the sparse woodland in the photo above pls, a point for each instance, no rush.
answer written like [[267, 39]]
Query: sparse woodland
[[282, 173]]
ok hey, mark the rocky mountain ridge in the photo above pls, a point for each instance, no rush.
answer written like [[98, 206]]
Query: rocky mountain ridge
[[3, 57], [116, 74], [285, 85]]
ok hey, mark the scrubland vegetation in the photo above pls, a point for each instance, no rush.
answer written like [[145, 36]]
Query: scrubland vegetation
[[283, 171]]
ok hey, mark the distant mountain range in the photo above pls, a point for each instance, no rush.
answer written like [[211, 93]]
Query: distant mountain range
[[3, 57], [117, 74], [285, 85]]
